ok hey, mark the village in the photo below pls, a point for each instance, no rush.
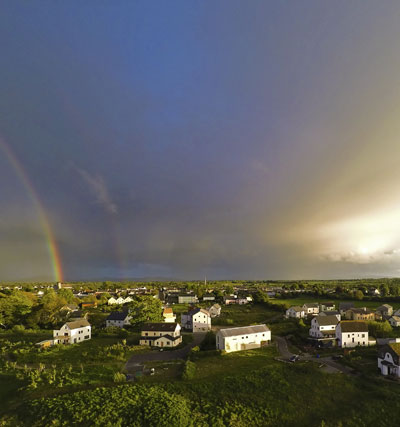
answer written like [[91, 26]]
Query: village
[[68, 336]]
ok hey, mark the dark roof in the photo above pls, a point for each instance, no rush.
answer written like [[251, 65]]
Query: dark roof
[[159, 327], [345, 305], [118, 315], [311, 304], [197, 310], [353, 326], [169, 337], [329, 313], [327, 320]]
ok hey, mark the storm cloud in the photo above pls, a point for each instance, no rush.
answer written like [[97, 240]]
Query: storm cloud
[[232, 139]]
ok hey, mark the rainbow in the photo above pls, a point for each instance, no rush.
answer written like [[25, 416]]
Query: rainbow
[[50, 240]]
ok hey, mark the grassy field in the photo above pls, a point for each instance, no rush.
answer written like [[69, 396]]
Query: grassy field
[[303, 300], [237, 389], [241, 315], [26, 370]]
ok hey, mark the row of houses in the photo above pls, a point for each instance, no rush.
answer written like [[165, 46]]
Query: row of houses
[[328, 330], [196, 320], [346, 311]]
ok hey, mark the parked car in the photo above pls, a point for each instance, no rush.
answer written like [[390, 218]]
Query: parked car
[[337, 357], [294, 358]]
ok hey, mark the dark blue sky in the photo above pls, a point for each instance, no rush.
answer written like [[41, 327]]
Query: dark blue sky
[[180, 139]]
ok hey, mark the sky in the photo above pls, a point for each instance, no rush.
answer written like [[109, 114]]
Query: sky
[[184, 139]]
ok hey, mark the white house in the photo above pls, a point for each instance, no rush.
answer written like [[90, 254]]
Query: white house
[[209, 297], [296, 312], [351, 333], [161, 335], [395, 321], [118, 319], [215, 310], [311, 308], [73, 332], [242, 338], [389, 359], [323, 328], [197, 320], [169, 316]]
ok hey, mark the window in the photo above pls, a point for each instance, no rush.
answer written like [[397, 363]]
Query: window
[[86, 337], [363, 335]]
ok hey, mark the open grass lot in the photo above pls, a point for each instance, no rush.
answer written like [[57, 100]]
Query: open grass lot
[[26, 370], [237, 389], [242, 315], [303, 300]]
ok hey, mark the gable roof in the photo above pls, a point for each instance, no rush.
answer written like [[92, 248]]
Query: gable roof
[[159, 327], [167, 310], [80, 323], [396, 318], [217, 306], [311, 304], [198, 310], [345, 305], [118, 315], [353, 326], [327, 320], [329, 313], [296, 308], [243, 330], [393, 349], [384, 307]]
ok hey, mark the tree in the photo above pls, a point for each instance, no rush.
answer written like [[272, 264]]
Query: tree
[[145, 309], [67, 294], [358, 294], [14, 308]]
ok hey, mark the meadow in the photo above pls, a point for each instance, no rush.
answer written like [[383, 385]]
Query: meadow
[[237, 389]]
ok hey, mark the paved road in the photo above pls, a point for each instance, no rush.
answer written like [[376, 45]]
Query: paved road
[[282, 347], [155, 355], [334, 366]]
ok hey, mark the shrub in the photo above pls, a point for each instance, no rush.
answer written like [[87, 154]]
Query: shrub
[[18, 328], [119, 378], [189, 370]]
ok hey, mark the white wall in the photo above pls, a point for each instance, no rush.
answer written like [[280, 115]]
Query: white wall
[[241, 342]]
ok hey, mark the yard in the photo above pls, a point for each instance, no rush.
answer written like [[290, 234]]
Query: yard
[[242, 315]]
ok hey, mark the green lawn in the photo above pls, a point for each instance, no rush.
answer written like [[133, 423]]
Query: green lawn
[[303, 300], [242, 315]]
